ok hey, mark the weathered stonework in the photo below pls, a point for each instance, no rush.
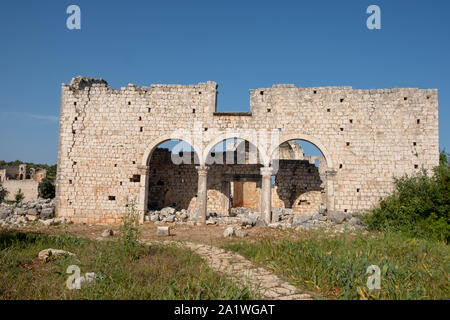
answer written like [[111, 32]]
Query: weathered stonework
[[107, 138], [15, 178]]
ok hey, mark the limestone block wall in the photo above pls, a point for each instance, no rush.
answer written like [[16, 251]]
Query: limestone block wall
[[29, 188], [366, 136]]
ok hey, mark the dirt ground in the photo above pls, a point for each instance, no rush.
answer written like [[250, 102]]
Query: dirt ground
[[205, 234]]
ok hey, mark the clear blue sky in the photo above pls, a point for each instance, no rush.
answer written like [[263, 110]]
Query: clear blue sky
[[240, 44]]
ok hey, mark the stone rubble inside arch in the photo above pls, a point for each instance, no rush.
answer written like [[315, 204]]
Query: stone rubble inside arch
[[245, 218]]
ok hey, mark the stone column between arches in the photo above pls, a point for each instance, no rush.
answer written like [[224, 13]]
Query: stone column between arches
[[202, 193], [266, 194]]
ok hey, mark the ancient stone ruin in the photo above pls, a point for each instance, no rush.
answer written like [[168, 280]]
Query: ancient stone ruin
[[15, 178], [108, 155]]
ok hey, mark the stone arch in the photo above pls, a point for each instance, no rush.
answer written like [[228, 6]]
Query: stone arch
[[285, 138], [246, 137], [144, 183], [154, 144]]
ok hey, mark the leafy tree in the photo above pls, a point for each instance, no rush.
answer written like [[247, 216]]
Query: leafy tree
[[46, 189], [19, 196], [3, 193]]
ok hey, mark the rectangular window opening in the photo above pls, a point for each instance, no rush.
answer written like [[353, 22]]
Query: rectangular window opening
[[135, 178]]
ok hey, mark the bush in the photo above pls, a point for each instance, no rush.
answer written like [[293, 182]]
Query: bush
[[3, 193], [129, 239], [46, 189], [19, 196], [419, 206]]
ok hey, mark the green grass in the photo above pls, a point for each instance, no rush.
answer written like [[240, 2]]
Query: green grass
[[336, 266], [156, 272]]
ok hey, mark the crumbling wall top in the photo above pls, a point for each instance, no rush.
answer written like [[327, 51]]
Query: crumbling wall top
[[80, 82]]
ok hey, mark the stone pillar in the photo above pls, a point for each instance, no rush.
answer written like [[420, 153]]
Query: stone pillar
[[202, 193], [143, 192], [266, 194], [330, 174]]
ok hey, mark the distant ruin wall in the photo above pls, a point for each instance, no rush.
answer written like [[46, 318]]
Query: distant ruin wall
[[29, 188]]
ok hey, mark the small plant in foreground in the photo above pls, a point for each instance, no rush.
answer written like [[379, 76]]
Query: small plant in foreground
[[19, 196], [129, 230]]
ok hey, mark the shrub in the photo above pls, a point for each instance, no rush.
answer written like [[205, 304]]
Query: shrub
[[419, 206], [3, 193], [46, 189], [129, 239], [19, 196]]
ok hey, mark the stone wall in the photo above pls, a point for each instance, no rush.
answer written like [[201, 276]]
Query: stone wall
[[366, 136], [29, 188]]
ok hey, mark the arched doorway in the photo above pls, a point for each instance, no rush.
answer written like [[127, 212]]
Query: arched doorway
[[234, 179], [171, 176], [302, 181]]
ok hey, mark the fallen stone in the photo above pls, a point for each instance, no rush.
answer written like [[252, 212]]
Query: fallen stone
[[240, 233], [32, 211], [107, 233], [4, 212], [210, 222], [31, 217], [62, 220], [163, 231], [336, 216], [48, 222], [47, 213], [154, 217], [298, 220], [354, 221], [276, 216], [245, 221], [167, 211], [48, 254], [20, 211], [260, 223], [228, 232], [170, 218]]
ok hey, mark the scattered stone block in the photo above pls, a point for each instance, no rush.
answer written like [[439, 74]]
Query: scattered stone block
[[336, 216], [298, 220], [240, 233], [163, 231], [107, 233], [48, 254], [228, 232]]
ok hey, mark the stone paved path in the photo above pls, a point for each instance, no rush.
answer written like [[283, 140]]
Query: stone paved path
[[244, 273]]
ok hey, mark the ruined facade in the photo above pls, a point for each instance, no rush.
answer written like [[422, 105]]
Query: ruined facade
[[108, 139], [15, 178]]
